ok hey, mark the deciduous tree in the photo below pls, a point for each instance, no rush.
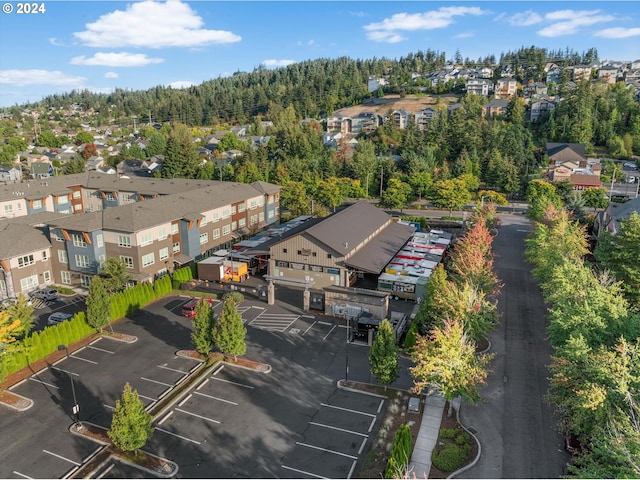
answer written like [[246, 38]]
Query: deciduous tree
[[451, 194], [114, 273], [203, 325], [98, 304], [229, 332], [22, 310]]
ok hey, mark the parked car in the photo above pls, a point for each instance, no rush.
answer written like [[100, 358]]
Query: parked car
[[45, 294], [58, 317], [630, 165], [7, 302], [189, 308]]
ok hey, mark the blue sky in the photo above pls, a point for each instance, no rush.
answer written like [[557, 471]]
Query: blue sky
[[101, 45]]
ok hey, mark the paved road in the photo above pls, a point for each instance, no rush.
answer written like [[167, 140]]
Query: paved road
[[516, 426]]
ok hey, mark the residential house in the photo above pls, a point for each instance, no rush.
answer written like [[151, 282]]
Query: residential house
[[540, 107], [485, 72], [535, 89], [365, 122], [424, 117], [559, 153], [400, 118], [357, 240], [608, 73], [506, 87], [40, 170], [338, 123], [495, 107], [374, 83], [609, 219], [10, 174], [480, 86], [580, 72]]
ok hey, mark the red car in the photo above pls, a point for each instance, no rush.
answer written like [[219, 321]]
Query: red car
[[189, 308]]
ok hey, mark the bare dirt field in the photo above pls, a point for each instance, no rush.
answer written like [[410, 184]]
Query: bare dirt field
[[411, 103]]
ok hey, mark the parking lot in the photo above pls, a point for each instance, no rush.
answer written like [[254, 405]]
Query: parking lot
[[290, 423]]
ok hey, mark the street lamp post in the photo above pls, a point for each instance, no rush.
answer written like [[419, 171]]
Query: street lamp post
[[346, 372], [76, 407]]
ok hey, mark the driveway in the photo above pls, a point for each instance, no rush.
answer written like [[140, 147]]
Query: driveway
[[516, 426]]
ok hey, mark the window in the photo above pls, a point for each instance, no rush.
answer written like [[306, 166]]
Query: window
[[261, 216], [254, 219], [145, 239], [66, 277], [62, 256], [241, 207], [85, 280], [203, 222], [25, 261], [126, 197], [128, 261], [271, 214], [29, 282], [37, 204], [216, 233], [110, 196], [77, 206], [314, 254], [261, 202], [45, 256], [242, 222], [63, 199], [162, 272], [47, 276], [3, 287], [102, 259], [204, 238], [233, 209], [176, 247], [284, 250], [8, 209], [164, 253], [234, 226], [76, 194], [225, 213], [124, 241], [82, 261], [329, 255], [162, 234], [226, 230], [253, 205], [78, 240], [148, 259], [19, 206], [99, 241], [215, 217], [174, 228]]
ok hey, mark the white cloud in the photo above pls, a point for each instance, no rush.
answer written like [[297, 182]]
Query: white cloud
[[464, 35], [522, 19], [272, 62], [56, 78], [618, 32], [389, 29], [116, 59], [153, 24], [179, 84], [56, 42], [567, 22], [111, 75]]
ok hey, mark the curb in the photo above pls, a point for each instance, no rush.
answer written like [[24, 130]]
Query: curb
[[340, 385], [121, 337], [475, 460], [21, 405], [155, 473]]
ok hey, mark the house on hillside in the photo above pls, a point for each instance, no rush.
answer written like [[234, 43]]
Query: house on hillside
[[495, 107], [610, 218], [540, 107], [401, 118], [559, 153], [480, 86], [506, 87], [41, 170]]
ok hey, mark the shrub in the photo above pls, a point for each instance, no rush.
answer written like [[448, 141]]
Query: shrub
[[451, 457], [235, 297], [400, 453], [448, 433], [462, 438]]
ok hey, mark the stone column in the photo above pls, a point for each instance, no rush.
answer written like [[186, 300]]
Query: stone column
[[271, 293], [306, 300]]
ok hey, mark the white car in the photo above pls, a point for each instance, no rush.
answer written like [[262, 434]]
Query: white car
[[58, 317], [45, 294]]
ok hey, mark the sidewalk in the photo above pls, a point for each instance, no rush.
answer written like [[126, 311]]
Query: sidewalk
[[420, 464]]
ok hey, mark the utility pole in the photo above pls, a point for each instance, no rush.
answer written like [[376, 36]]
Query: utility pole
[[613, 178]]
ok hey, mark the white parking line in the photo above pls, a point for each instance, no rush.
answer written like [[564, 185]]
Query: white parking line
[[215, 398], [373, 422], [185, 400], [66, 371], [100, 349], [165, 417], [326, 450], [85, 459], [21, 474], [330, 331], [147, 398], [353, 466], [206, 380], [172, 369], [339, 429], [107, 470], [176, 435], [156, 381], [84, 359], [62, 458], [380, 406], [233, 383], [328, 324], [347, 410], [364, 441], [198, 416], [310, 327], [302, 471], [108, 406], [44, 383]]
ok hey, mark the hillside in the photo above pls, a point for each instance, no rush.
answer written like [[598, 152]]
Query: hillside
[[410, 103]]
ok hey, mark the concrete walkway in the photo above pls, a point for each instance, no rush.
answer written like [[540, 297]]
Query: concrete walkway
[[427, 437]]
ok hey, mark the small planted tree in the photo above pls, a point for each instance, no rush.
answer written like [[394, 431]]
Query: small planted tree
[[22, 310], [229, 333], [203, 324], [131, 423], [383, 356], [98, 304]]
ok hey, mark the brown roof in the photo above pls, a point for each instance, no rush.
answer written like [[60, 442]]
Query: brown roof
[[583, 179], [345, 230], [376, 254]]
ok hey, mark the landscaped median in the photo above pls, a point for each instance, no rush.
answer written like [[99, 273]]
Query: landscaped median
[[158, 466]]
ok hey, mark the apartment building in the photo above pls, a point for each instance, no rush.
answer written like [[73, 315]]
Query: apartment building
[[480, 86], [152, 231], [506, 88]]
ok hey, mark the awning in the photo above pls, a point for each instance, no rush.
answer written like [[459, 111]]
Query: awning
[[181, 258], [376, 254]]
